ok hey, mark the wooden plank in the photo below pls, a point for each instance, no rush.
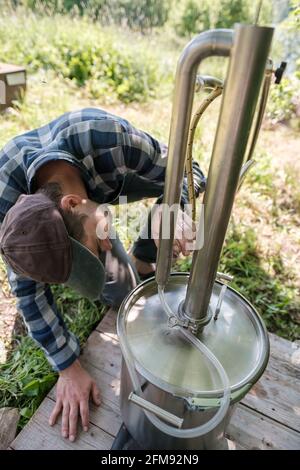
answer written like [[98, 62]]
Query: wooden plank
[[106, 416], [9, 418], [108, 324], [39, 435], [103, 352], [285, 356], [277, 397], [282, 348], [254, 431], [277, 393]]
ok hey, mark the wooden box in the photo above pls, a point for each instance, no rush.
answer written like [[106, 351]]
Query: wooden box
[[12, 83]]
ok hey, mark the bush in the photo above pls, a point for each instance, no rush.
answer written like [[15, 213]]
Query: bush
[[284, 101], [200, 16], [194, 19], [136, 14], [231, 12], [78, 50]]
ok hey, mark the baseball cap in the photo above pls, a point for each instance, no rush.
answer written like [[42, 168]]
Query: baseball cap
[[35, 243]]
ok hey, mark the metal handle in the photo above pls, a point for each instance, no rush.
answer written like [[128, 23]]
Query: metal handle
[[156, 410]]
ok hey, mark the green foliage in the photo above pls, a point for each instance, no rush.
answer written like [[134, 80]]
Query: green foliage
[[274, 301], [26, 378], [232, 11], [143, 14], [195, 18], [139, 15], [284, 101], [292, 24], [80, 51]]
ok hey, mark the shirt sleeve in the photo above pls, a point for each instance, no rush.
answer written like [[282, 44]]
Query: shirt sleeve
[[148, 158], [43, 320], [144, 155]]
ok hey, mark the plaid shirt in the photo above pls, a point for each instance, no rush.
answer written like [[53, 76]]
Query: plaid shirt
[[105, 148]]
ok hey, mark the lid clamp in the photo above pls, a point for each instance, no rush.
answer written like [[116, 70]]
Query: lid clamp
[[175, 321]]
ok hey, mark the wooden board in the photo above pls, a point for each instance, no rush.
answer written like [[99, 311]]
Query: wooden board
[[39, 435], [268, 417], [9, 418], [252, 430]]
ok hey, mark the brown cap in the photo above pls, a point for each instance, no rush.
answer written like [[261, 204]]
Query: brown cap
[[35, 243]]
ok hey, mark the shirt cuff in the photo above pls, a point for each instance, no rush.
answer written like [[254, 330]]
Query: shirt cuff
[[66, 355]]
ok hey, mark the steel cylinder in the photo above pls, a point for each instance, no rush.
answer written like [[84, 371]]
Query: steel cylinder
[[245, 74]]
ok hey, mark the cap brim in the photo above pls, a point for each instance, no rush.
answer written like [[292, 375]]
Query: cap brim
[[87, 273]]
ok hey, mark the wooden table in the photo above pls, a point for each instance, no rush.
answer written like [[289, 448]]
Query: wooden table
[[267, 418]]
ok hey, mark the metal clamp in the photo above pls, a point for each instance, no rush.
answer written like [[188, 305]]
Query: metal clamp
[[175, 321], [185, 321], [156, 410]]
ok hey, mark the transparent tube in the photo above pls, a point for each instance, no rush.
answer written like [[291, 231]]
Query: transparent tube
[[155, 421]]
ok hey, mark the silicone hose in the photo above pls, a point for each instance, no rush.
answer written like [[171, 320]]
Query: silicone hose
[[155, 421]]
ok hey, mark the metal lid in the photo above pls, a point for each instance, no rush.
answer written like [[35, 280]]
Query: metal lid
[[164, 357]]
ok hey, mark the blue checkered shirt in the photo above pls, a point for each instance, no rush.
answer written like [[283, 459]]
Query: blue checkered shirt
[[105, 148]]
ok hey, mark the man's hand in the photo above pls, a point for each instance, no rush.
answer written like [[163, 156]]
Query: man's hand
[[73, 391], [185, 232]]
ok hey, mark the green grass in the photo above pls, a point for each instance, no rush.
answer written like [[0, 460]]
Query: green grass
[[274, 296], [106, 63], [262, 244], [27, 376]]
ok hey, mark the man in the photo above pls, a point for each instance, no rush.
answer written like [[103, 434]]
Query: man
[[52, 181]]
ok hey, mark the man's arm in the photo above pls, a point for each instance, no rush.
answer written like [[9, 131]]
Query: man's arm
[[46, 326], [43, 320], [148, 158]]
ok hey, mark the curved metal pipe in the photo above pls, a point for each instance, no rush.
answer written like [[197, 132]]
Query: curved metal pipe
[[210, 43]]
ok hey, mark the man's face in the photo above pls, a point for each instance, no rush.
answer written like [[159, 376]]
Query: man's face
[[97, 226]]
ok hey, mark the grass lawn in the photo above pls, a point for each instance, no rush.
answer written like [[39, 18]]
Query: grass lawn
[[262, 244]]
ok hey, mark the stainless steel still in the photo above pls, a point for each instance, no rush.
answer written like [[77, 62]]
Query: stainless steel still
[[165, 378], [173, 374]]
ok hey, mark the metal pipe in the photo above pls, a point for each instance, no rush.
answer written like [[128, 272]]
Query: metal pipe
[[210, 43], [261, 110], [245, 74], [156, 410]]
